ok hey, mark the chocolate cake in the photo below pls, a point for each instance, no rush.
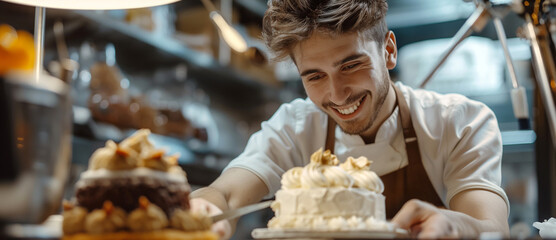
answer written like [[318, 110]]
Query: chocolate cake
[[135, 191], [124, 189]]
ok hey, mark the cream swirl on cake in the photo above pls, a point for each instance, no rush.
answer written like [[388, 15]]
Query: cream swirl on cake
[[148, 217], [291, 179], [323, 171], [139, 142], [105, 220], [325, 196], [113, 157], [74, 218], [359, 169]]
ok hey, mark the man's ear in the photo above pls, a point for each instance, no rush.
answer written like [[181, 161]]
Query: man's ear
[[391, 50]]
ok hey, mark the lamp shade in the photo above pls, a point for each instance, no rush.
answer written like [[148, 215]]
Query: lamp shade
[[92, 4]]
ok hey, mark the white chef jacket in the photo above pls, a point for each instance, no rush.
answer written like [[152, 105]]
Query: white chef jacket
[[459, 141]]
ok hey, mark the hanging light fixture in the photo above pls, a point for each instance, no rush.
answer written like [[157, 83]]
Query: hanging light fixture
[[92, 4], [230, 35], [76, 5]]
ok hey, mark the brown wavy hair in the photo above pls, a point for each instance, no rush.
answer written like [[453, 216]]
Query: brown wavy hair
[[288, 22]]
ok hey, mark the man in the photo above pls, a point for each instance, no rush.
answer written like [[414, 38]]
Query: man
[[444, 150]]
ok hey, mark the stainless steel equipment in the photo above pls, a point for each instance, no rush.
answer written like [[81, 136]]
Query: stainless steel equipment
[[495, 10], [35, 150], [540, 30]]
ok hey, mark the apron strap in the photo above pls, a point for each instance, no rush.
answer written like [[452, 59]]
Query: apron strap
[[414, 177], [331, 135], [405, 117]]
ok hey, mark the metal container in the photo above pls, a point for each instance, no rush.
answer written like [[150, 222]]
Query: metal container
[[35, 150]]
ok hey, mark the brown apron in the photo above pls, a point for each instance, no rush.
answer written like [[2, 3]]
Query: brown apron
[[408, 182]]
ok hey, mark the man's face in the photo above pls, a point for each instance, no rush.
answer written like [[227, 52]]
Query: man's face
[[346, 76]]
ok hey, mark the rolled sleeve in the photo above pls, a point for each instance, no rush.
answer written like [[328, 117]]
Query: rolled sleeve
[[475, 159]]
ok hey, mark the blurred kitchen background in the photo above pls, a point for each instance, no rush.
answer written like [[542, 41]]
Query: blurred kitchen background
[[166, 68]]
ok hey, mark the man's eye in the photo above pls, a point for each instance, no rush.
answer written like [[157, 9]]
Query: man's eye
[[351, 66], [315, 77]]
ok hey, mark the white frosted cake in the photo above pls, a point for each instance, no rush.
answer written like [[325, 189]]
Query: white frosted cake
[[326, 196]]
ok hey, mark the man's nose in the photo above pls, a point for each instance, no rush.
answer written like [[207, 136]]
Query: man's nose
[[339, 90]]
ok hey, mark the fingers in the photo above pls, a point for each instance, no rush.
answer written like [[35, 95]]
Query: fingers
[[424, 220], [412, 213], [200, 205], [438, 229], [223, 227]]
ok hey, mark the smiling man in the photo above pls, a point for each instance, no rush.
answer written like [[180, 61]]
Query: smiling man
[[352, 86], [438, 155]]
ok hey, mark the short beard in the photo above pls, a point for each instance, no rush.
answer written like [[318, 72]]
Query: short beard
[[351, 126]]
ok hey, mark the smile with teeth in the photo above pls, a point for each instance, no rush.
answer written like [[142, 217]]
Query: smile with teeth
[[349, 110]]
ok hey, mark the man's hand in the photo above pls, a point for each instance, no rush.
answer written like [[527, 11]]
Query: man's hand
[[471, 213], [425, 220], [223, 227], [235, 188]]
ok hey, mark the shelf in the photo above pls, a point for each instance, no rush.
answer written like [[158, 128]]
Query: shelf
[[168, 45], [231, 87], [164, 43]]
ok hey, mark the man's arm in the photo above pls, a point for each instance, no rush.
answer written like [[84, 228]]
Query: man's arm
[[472, 143], [471, 213], [235, 188]]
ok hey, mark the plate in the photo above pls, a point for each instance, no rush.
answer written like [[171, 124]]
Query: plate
[[266, 233]]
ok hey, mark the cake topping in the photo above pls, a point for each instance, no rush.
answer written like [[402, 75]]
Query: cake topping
[[67, 206], [356, 164], [314, 175], [139, 141], [157, 160], [143, 202], [174, 168], [173, 159], [147, 217], [122, 152], [153, 160], [291, 179], [74, 218], [156, 154], [105, 220], [323, 171], [177, 170], [324, 158], [134, 152], [113, 157], [359, 169]]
